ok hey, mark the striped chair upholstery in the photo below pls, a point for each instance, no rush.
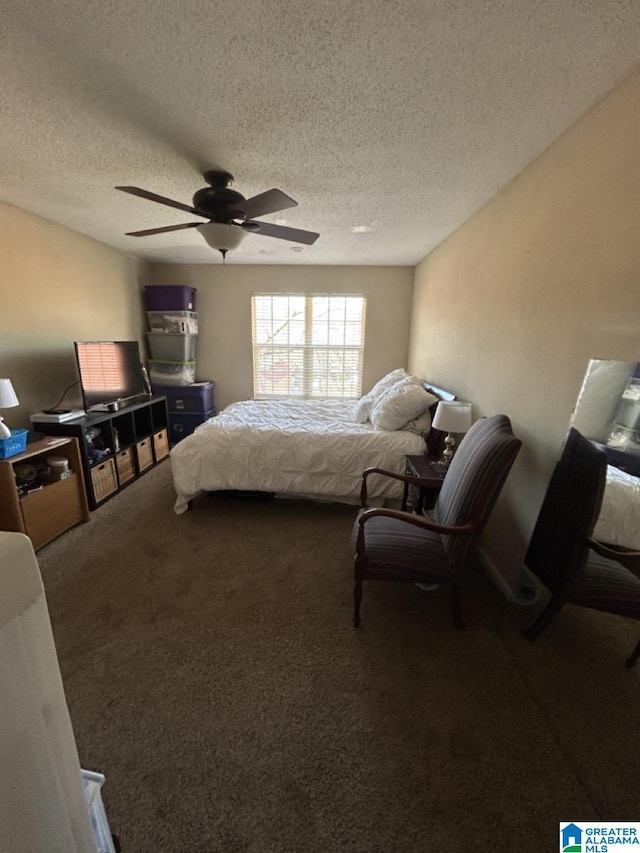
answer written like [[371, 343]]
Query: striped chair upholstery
[[562, 552], [390, 545]]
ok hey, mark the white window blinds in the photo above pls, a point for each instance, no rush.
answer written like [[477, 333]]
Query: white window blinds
[[101, 366], [307, 345]]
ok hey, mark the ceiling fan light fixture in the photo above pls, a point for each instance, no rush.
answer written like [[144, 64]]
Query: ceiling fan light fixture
[[221, 236], [222, 208]]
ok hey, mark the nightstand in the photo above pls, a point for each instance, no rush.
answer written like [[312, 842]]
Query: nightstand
[[431, 478]]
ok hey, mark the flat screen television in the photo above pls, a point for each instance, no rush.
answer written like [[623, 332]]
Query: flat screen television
[[110, 373]]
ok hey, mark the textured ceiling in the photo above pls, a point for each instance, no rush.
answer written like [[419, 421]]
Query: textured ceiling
[[403, 117]]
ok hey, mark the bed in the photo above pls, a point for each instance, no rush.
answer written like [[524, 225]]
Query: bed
[[299, 448], [619, 519]]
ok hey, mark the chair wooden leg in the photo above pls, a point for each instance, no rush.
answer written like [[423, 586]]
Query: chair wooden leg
[[357, 600], [551, 610], [633, 659], [456, 601]]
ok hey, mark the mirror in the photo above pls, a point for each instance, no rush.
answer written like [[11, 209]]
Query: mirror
[[608, 411]]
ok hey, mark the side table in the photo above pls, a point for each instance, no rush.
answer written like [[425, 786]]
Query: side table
[[423, 467]]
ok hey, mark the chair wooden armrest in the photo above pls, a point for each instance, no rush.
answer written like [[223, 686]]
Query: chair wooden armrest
[[418, 521], [411, 518], [404, 478], [629, 559]]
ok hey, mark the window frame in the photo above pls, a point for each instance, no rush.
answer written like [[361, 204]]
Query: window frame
[[309, 348]]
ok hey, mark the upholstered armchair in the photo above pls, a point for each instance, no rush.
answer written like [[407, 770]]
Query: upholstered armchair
[[391, 545], [562, 553]]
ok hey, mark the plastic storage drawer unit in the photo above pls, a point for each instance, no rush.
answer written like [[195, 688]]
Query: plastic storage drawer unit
[[169, 297], [172, 372], [190, 398], [181, 426], [172, 347], [173, 322]]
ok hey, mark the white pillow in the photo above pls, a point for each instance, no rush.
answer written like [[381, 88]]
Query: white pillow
[[619, 519], [362, 409], [402, 403], [420, 425]]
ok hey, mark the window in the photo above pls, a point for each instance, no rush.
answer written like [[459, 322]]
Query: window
[[307, 345]]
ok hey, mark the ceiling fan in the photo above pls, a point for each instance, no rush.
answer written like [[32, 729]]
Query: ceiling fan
[[231, 216]]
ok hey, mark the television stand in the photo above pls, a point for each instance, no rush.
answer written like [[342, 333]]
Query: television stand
[[116, 447]]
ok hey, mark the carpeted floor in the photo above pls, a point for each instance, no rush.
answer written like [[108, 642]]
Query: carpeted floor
[[213, 674]]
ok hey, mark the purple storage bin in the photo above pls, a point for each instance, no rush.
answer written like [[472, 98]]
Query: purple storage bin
[[169, 297], [180, 426], [188, 398]]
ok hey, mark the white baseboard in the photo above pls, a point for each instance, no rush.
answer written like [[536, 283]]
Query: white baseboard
[[524, 592]]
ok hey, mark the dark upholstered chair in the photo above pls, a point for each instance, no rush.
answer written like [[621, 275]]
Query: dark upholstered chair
[[562, 553], [391, 545]]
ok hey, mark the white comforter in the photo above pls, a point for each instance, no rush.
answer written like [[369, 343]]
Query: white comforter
[[297, 447]]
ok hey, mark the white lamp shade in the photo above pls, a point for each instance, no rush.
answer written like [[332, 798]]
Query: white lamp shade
[[454, 416], [8, 397], [221, 236]]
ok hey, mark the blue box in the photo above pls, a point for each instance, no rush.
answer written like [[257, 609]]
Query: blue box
[[16, 443], [187, 398]]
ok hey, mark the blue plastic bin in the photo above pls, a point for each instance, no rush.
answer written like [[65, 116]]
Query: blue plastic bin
[[14, 445]]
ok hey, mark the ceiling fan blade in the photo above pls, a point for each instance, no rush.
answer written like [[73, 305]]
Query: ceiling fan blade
[[162, 230], [268, 229], [161, 200], [270, 201]]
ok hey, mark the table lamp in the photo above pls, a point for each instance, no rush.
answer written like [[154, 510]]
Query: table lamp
[[8, 399], [451, 417]]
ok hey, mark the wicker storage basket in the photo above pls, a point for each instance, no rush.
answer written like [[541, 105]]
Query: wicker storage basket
[[104, 480], [126, 465], [144, 452], [161, 444]]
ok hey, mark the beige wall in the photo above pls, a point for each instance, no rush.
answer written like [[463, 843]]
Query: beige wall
[[224, 314], [57, 286], [508, 311]]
